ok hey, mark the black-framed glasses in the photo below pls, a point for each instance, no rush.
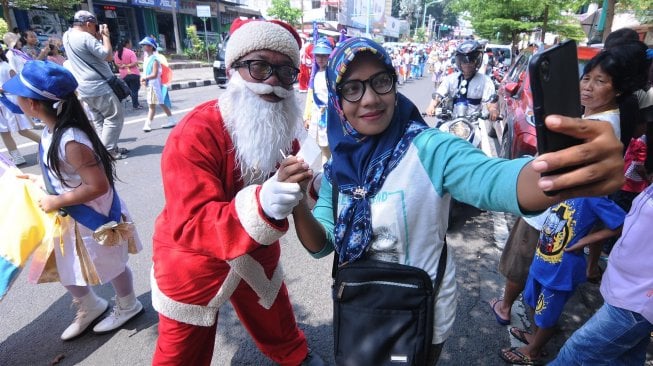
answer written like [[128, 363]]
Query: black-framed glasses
[[353, 90], [262, 70]]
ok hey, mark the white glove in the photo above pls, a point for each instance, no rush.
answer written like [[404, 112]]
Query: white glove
[[279, 198]]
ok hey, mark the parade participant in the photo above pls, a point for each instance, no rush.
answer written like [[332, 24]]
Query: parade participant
[[395, 176], [10, 121], [79, 174], [127, 63], [315, 112], [467, 85], [15, 56], [156, 91], [305, 66], [217, 238], [88, 48]]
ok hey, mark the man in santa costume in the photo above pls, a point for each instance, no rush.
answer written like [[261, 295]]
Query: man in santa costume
[[216, 239]]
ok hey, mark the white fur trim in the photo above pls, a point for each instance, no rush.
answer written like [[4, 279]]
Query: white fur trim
[[244, 267], [255, 225], [253, 273], [261, 35], [199, 315]]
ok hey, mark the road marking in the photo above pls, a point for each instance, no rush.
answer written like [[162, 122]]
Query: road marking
[[127, 122]]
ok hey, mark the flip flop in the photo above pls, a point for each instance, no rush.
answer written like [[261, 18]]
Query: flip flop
[[519, 334], [500, 320], [519, 358]]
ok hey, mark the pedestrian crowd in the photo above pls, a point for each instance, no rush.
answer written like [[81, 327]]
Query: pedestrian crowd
[[233, 172], [86, 50]]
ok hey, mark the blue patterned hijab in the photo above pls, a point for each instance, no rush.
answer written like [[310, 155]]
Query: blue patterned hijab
[[361, 163]]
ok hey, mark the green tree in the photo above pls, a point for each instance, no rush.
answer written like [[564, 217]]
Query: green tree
[[411, 10], [504, 20], [3, 27], [65, 8], [282, 10]]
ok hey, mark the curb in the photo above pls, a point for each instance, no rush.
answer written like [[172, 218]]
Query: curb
[[191, 84]]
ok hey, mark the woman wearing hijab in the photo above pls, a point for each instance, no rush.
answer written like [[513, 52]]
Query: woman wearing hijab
[[395, 176]]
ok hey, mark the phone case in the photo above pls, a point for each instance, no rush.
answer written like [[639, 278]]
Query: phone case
[[555, 88]]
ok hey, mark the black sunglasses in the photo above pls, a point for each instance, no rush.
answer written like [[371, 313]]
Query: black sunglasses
[[262, 70]]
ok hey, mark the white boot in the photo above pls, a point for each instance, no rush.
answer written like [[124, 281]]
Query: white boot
[[147, 127], [89, 308], [17, 158], [171, 122], [125, 309]]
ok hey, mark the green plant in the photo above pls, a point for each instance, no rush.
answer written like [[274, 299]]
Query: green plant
[[3, 27], [197, 49]]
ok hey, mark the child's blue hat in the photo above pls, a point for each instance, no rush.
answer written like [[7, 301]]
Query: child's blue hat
[[148, 41], [42, 80], [322, 47]]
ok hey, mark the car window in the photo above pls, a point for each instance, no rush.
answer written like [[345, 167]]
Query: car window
[[520, 65], [221, 50]]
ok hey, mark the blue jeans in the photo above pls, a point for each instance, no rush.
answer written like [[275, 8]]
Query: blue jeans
[[613, 336]]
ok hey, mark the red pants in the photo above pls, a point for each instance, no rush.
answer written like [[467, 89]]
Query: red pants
[[304, 77], [274, 331]]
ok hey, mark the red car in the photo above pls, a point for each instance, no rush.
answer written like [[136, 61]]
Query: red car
[[516, 131]]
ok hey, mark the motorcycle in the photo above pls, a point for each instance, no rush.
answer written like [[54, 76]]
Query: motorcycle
[[459, 121]]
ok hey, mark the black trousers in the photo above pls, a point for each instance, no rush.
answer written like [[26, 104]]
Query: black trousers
[[134, 83]]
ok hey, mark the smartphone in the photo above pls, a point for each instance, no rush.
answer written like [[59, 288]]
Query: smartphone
[[555, 87]]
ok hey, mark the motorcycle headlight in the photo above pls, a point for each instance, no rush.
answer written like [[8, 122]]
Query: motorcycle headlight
[[461, 129]]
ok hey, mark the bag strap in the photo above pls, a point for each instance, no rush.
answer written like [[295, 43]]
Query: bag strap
[[84, 61], [80, 212], [334, 204], [442, 263]]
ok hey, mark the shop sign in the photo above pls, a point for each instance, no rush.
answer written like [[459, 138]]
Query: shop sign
[[190, 7], [44, 22], [145, 2]]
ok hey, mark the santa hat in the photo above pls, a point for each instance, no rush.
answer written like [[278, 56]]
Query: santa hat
[[253, 35]]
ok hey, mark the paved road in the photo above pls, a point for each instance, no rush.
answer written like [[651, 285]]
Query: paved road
[[32, 317]]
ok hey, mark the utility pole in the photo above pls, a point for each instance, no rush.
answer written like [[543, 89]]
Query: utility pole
[[175, 27]]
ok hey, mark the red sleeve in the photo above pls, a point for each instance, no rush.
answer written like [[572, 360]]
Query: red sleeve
[[207, 209]]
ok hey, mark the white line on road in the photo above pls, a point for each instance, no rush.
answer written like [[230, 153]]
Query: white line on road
[[127, 122]]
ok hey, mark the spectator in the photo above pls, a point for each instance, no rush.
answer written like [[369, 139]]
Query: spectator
[[15, 56], [88, 44], [378, 139], [32, 48], [127, 63], [620, 331], [56, 51]]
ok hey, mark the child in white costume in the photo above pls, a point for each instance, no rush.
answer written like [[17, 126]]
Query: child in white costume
[[96, 235], [12, 122], [315, 113]]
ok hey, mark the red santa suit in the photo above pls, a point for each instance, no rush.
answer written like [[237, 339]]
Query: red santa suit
[[213, 243], [305, 66]]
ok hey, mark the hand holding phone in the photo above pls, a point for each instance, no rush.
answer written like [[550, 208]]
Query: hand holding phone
[[555, 86]]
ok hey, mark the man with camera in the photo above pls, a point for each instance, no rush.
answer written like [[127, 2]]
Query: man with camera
[[88, 48]]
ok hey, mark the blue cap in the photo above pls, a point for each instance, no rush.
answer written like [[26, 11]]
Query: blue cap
[[322, 47], [148, 41], [42, 80]]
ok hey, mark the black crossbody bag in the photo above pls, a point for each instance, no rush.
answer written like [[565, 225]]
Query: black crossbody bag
[[118, 85], [383, 312]]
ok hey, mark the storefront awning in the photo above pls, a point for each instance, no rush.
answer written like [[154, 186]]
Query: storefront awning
[[245, 11]]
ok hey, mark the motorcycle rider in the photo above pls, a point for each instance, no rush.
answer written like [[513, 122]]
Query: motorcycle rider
[[467, 85]]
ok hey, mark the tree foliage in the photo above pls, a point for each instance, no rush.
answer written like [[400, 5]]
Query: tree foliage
[[65, 8], [411, 10], [282, 10], [504, 20]]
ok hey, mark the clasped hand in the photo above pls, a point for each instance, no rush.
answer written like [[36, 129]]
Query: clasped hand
[[283, 191]]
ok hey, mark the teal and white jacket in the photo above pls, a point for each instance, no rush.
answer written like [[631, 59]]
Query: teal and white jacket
[[410, 212]]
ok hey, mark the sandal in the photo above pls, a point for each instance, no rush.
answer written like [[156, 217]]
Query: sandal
[[519, 334], [514, 357], [500, 320]]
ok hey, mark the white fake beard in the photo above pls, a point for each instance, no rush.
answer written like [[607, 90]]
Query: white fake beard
[[259, 129]]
